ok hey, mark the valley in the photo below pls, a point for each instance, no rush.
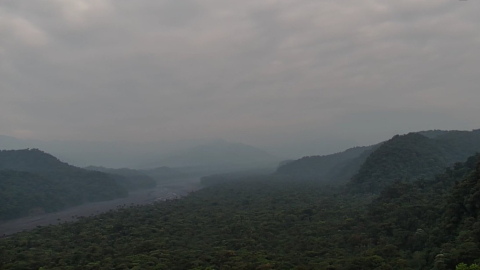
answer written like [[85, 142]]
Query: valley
[[410, 202], [167, 191]]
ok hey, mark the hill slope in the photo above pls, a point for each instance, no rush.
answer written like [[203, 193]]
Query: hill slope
[[335, 168], [413, 156], [32, 181], [32, 160]]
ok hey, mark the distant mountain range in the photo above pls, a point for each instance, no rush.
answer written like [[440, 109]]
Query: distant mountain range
[[220, 153], [406, 157], [146, 176], [200, 155]]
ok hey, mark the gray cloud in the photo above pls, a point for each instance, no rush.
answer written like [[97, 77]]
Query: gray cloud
[[279, 74]]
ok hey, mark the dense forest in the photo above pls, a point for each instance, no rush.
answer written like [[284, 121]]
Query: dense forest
[[34, 182]]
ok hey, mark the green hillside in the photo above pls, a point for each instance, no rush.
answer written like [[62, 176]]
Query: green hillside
[[414, 156], [405, 157]]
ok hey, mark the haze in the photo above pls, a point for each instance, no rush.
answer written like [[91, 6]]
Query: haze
[[292, 77]]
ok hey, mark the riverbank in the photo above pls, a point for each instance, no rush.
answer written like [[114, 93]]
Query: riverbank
[[165, 191]]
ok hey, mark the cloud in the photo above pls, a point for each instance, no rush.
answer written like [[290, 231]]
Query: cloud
[[243, 70], [16, 31]]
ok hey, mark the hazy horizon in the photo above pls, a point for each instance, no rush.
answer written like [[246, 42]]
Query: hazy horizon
[[293, 78], [145, 155]]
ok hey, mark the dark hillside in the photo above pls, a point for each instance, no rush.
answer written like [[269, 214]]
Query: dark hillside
[[411, 156], [414, 156], [23, 193], [434, 220], [31, 160], [464, 203], [34, 182], [461, 143], [400, 158]]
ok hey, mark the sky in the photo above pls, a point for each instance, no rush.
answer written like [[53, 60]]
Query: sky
[[296, 77]]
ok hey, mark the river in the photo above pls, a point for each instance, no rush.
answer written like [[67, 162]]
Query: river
[[164, 191]]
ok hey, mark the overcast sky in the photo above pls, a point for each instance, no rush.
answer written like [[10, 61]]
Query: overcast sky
[[304, 76]]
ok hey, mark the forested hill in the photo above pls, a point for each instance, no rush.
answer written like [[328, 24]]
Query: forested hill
[[32, 181], [434, 220], [413, 156], [31, 160], [369, 169], [335, 168]]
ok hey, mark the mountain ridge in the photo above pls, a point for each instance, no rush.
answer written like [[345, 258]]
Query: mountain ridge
[[413, 156]]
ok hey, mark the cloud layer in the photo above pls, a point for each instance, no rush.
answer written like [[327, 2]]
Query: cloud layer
[[280, 74]]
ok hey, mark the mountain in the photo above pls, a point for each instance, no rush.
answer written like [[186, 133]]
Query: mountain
[[32, 160], [32, 181], [220, 153], [411, 156], [335, 168], [414, 156]]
